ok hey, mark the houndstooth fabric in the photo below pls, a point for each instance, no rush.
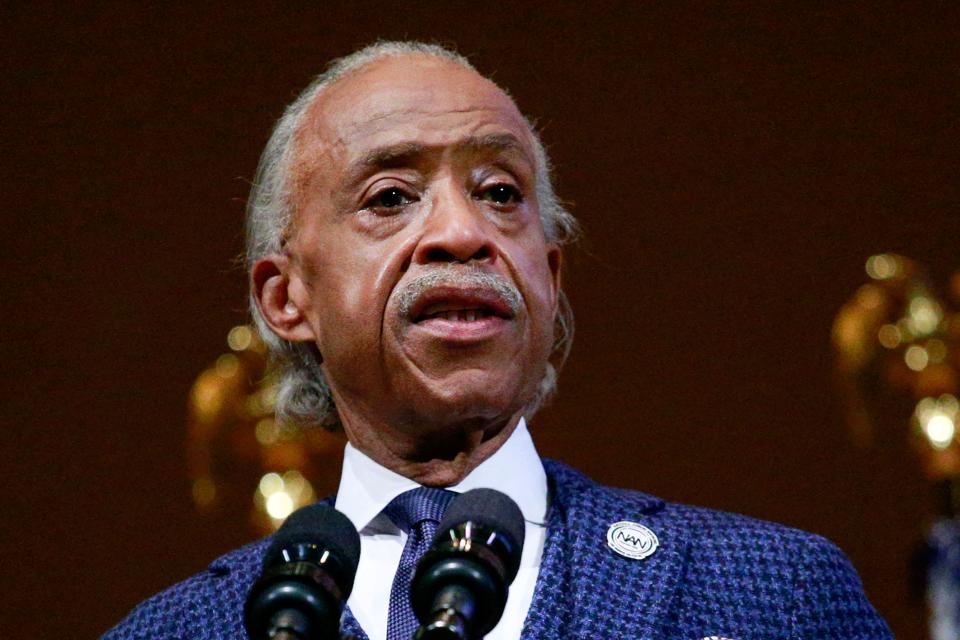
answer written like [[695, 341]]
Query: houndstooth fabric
[[714, 574], [418, 513]]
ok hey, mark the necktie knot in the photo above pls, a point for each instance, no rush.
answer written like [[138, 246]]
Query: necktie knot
[[411, 508]]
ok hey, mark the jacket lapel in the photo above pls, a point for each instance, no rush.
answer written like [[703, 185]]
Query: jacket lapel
[[584, 587]]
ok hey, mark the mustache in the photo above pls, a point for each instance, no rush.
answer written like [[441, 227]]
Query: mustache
[[463, 277]]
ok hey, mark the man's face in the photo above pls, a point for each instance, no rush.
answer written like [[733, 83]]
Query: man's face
[[417, 257]]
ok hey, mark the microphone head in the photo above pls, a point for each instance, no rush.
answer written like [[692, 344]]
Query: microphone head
[[492, 509], [460, 587], [322, 527], [308, 573]]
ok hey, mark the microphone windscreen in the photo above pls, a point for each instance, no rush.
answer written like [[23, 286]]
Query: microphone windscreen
[[489, 507], [320, 525]]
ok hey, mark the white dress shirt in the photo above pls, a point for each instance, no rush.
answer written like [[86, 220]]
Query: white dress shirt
[[367, 487]]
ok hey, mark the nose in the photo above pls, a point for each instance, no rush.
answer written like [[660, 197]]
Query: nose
[[455, 231]]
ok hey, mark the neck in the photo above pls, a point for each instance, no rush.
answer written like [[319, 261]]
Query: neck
[[439, 457]]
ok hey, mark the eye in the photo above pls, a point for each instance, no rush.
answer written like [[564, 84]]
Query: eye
[[502, 195], [389, 198]]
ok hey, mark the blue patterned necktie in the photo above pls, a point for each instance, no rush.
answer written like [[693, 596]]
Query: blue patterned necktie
[[417, 512]]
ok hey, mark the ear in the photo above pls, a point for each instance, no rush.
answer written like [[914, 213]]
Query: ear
[[555, 262], [271, 283]]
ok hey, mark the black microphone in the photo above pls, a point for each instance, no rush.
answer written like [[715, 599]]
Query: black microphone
[[308, 572], [460, 586]]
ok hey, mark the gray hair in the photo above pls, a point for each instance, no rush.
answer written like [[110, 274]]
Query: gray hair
[[303, 394]]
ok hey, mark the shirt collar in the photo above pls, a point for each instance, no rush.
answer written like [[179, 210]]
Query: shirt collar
[[366, 487]]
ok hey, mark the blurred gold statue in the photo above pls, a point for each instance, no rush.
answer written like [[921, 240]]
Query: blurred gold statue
[[898, 358], [238, 451], [897, 335]]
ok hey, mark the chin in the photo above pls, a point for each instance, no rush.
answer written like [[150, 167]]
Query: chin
[[469, 396]]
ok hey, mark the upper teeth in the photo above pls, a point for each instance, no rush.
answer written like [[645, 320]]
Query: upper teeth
[[462, 315]]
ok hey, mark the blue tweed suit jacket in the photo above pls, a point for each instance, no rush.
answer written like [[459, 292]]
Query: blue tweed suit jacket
[[714, 574]]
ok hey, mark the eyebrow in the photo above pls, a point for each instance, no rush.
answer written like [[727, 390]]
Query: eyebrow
[[502, 142], [392, 156], [407, 153]]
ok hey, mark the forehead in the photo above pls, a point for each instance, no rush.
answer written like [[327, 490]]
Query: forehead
[[402, 99]]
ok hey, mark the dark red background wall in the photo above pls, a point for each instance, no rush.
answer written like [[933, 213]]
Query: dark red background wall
[[733, 165]]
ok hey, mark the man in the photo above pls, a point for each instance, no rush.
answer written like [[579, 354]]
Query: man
[[404, 248]]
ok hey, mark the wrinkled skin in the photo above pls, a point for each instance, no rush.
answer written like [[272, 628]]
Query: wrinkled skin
[[409, 167]]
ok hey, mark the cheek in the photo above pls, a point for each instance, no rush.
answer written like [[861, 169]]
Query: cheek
[[533, 270], [351, 292], [537, 285], [346, 308]]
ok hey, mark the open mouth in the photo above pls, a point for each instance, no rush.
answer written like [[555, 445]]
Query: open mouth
[[454, 304], [458, 315]]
